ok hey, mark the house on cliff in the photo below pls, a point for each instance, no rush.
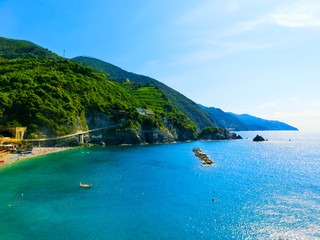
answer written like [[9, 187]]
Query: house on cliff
[[145, 112]]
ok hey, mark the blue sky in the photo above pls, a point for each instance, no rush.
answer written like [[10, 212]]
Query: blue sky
[[244, 56]]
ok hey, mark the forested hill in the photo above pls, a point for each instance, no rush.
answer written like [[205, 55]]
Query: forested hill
[[11, 49], [51, 97], [187, 106], [58, 97]]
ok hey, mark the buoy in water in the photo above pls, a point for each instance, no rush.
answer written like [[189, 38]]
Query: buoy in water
[[9, 205], [213, 199]]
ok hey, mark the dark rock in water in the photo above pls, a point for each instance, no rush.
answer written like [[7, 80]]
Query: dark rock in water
[[258, 139], [235, 136], [212, 133]]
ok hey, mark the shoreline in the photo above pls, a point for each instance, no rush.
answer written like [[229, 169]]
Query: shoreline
[[14, 158]]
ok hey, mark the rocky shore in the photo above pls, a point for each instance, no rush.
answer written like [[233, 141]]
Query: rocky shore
[[202, 157], [213, 133], [118, 136]]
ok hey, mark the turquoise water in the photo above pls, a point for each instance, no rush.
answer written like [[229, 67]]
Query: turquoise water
[[268, 190]]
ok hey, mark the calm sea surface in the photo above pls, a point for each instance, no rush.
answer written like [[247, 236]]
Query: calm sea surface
[[267, 190]]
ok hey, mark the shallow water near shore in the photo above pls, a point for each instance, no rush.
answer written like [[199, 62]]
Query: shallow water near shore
[[264, 190]]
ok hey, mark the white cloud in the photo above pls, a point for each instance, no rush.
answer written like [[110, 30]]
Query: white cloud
[[300, 14], [304, 13]]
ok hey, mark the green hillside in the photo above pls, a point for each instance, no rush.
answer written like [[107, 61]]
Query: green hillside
[[150, 97], [11, 49], [55, 97], [187, 106]]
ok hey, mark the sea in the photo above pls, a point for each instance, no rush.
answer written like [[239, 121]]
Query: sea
[[255, 190]]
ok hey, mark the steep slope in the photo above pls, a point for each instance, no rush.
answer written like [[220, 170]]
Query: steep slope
[[255, 123], [225, 120], [52, 97], [58, 97], [11, 49], [187, 106]]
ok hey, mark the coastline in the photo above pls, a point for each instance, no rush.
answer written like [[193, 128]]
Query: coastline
[[36, 152], [14, 158]]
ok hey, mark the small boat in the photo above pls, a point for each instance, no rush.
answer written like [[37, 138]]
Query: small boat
[[85, 185]]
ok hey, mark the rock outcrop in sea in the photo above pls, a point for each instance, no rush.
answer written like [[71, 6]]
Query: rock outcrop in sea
[[258, 139], [210, 133]]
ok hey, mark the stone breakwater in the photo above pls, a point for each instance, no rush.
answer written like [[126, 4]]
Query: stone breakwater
[[202, 156]]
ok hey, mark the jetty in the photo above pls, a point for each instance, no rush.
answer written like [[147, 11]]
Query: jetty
[[202, 156]]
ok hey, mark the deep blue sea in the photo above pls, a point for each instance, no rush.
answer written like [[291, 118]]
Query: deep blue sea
[[262, 190]]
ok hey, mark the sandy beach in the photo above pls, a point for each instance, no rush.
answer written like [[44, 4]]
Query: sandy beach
[[14, 158]]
